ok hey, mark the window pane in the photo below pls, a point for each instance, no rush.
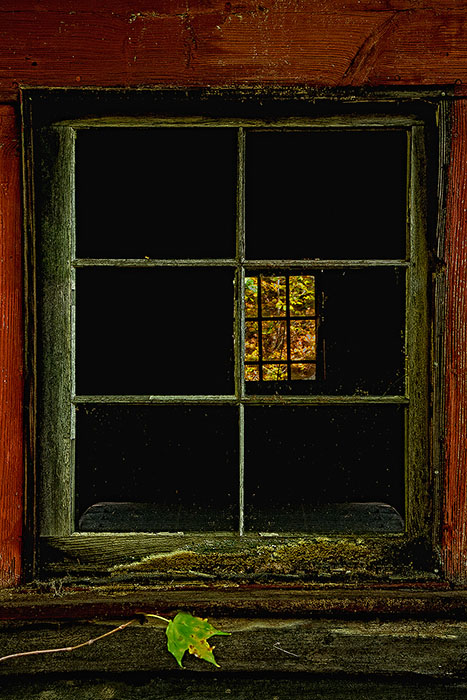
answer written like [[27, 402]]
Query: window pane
[[287, 302], [301, 461], [325, 194], [364, 331], [359, 344], [251, 296], [273, 296], [154, 331], [274, 334], [157, 193], [300, 370], [252, 373], [302, 295], [303, 340], [165, 467], [251, 341], [276, 372]]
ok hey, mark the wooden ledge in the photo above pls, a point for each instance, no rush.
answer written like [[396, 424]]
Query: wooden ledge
[[396, 648], [57, 602]]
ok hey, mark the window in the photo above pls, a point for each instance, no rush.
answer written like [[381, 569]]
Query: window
[[233, 331], [280, 328]]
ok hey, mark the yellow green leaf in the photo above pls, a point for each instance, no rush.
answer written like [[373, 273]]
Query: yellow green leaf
[[188, 633]]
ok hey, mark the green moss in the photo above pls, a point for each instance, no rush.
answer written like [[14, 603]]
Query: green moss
[[317, 557]]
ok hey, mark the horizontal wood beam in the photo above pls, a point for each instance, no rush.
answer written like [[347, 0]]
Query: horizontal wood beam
[[327, 43], [398, 600], [280, 645]]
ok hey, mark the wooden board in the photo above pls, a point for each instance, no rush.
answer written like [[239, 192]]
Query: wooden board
[[454, 546], [399, 649], [11, 351], [330, 42], [193, 686], [67, 602]]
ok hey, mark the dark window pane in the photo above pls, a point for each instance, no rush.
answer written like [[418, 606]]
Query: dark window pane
[[179, 464], [160, 193], [329, 195], [360, 339], [304, 466], [154, 331]]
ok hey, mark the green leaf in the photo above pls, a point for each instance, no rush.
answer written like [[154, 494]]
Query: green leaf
[[188, 633]]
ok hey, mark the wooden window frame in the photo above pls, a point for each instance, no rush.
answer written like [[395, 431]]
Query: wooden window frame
[[56, 114]]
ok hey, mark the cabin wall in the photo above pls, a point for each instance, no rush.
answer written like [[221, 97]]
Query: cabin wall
[[326, 43]]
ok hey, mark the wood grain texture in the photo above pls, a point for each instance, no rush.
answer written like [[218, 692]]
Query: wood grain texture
[[454, 546], [192, 686], [301, 601], [316, 42], [200, 42], [11, 352], [397, 648]]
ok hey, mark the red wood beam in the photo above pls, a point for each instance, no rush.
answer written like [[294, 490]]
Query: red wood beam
[[454, 537], [11, 351], [311, 42]]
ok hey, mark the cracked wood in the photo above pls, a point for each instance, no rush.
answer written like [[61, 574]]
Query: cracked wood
[[328, 43]]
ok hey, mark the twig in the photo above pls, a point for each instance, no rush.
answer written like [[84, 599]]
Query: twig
[[78, 646], [277, 645], [159, 617]]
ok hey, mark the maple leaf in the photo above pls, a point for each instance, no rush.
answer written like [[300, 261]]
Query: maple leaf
[[188, 633]]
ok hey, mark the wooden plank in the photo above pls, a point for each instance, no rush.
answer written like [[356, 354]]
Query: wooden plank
[[146, 557], [427, 601], [54, 185], [11, 352], [398, 648], [418, 492], [328, 43], [186, 686], [454, 537]]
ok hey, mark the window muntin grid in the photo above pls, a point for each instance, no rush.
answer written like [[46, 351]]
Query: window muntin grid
[[280, 327], [243, 267]]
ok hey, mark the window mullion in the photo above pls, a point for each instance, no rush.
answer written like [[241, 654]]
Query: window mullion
[[239, 330], [260, 331], [287, 323]]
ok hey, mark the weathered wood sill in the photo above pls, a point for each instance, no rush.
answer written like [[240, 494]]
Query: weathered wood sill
[[57, 601], [396, 631]]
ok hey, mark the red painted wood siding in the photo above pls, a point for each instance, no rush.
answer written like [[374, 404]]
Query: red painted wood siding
[[11, 352], [321, 42], [213, 42], [454, 543]]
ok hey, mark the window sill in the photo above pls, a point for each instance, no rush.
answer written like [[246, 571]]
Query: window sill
[[118, 558], [393, 630]]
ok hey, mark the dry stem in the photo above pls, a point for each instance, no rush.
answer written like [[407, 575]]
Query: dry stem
[[78, 646]]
